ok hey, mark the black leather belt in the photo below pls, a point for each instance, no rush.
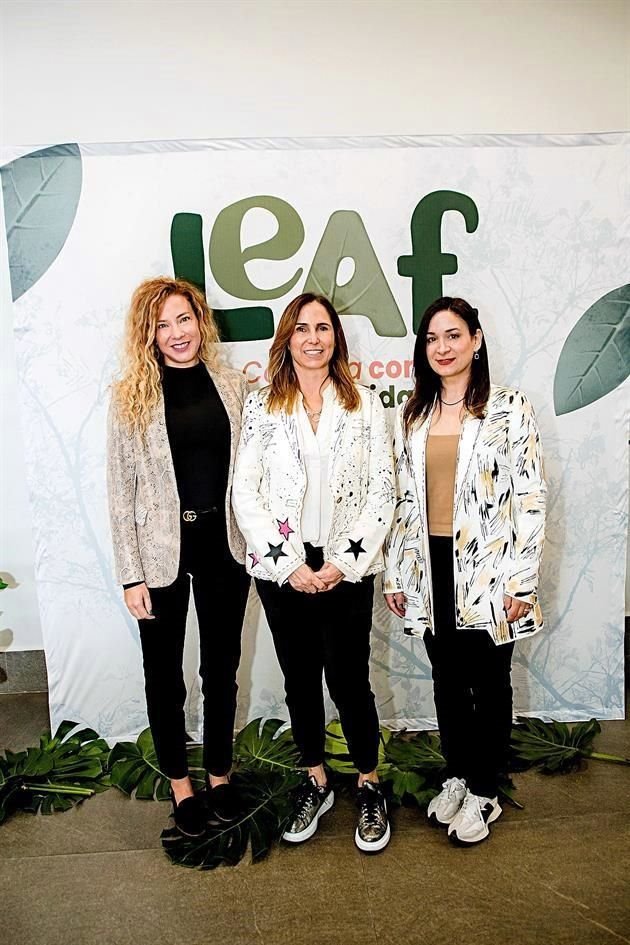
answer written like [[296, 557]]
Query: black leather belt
[[191, 515]]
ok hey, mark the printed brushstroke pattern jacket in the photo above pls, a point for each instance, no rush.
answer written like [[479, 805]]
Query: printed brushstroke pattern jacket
[[144, 507], [498, 520], [270, 484]]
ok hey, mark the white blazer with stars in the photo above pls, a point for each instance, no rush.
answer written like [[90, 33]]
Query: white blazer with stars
[[270, 483]]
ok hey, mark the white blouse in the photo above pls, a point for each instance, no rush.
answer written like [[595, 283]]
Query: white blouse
[[317, 510]]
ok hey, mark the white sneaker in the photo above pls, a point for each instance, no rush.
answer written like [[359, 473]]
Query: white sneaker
[[444, 808], [470, 825]]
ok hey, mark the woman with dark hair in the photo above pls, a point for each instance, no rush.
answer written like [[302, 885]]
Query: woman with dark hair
[[463, 556], [314, 496], [174, 424]]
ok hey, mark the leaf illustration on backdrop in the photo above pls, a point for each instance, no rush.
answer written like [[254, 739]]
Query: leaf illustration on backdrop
[[595, 357], [41, 193]]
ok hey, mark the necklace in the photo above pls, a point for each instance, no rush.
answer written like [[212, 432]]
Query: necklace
[[313, 414], [452, 403]]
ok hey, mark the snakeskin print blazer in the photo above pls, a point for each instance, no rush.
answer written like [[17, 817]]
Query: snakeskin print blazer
[[498, 520], [143, 500], [270, 484]]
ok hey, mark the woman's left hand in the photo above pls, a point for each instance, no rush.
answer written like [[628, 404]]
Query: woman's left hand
[[515, 609], [330, 575]]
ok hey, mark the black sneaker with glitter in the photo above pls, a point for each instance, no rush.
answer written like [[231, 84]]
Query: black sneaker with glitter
[[373, 830], [310, 801]]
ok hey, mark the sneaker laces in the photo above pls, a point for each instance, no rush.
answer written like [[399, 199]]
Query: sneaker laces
[[306, 794], [370, 809], [452, 786], [470, 809]]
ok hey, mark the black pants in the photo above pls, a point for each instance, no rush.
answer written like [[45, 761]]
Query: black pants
[[327, 632], [471, 685], [220, 587]]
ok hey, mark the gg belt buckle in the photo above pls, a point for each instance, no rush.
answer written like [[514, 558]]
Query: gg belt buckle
[[189, 516]]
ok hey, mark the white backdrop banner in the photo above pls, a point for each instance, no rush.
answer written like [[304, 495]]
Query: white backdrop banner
[[534, 231]]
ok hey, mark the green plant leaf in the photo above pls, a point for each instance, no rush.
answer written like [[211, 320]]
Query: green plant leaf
[[595, 358], [259, 745], [41, 193], [337, 753], [553, 746], [61, 772], [419, 751], [266, 799], [134, 766]]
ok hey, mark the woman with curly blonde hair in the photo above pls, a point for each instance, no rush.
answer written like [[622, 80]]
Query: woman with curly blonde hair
[[174, 425]]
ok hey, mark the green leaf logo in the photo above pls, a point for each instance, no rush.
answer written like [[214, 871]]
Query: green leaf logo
[[596, 356], [41, 193]]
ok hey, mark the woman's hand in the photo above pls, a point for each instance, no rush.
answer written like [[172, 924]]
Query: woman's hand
[[138, 601], [330, 575], [515, 609], [397, 603], [305, 580]]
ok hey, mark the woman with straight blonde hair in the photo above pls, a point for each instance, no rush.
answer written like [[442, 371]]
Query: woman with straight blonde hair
[[174, 425], [314, 497]]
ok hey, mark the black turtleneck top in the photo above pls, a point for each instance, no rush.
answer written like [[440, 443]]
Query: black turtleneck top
[[199, 434]]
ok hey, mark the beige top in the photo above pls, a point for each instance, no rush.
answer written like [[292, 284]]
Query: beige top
[[441, 467]]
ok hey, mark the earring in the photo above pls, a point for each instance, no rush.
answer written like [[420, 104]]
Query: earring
[[476, 355]]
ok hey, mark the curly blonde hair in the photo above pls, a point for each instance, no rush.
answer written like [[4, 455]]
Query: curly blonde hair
[[283, 382], [137, 392]]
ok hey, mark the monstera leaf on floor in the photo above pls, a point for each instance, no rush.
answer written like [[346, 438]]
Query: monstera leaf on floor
[[62, 771], [134, 767], [266, 800], [553, 747], [338, 755], [260, 745], [595, 358], [41, 193]]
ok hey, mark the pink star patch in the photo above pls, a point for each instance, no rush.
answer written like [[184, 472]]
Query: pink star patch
[[254, 557], [284, 528]]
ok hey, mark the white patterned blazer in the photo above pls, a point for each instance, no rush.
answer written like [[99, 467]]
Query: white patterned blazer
[[144, 505], [498, 520], [270, 484]]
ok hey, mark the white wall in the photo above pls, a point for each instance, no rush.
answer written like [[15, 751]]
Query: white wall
[[107, 70]]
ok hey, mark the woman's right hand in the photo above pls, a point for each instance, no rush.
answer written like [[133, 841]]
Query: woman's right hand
[[138, 601], [305, 580], [397, 603]]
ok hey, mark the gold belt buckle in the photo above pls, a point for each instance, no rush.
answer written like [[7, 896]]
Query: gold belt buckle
[[189, 516]]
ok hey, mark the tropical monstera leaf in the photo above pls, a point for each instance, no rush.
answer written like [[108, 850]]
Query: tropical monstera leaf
[[553, 746], [134, 767], [595, 357], [419, 751], [63, 771], [337, 753], [41, 193], [266, 799], [259, 745]]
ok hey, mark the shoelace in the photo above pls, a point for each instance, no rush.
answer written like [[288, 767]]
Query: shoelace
[[304, 797], [470, 809], [370, 808]]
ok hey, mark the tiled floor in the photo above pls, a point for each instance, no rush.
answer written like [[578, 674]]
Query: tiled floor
[[557, 872]]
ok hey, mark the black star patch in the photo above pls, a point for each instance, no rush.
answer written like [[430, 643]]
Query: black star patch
[[275, 552], [355, 549]]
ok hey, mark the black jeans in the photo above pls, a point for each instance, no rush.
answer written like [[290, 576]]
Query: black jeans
[[471, 686], [329, 633], [220, 586]]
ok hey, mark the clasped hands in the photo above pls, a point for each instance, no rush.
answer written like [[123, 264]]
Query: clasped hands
[[307, 581], [514, 609]]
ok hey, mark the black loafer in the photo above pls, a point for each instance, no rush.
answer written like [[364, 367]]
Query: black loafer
[[224, 803], [190, 816]]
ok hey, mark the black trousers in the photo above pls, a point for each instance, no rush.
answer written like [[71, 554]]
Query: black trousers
[[328, 633], [220, 587], [471, 686]]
